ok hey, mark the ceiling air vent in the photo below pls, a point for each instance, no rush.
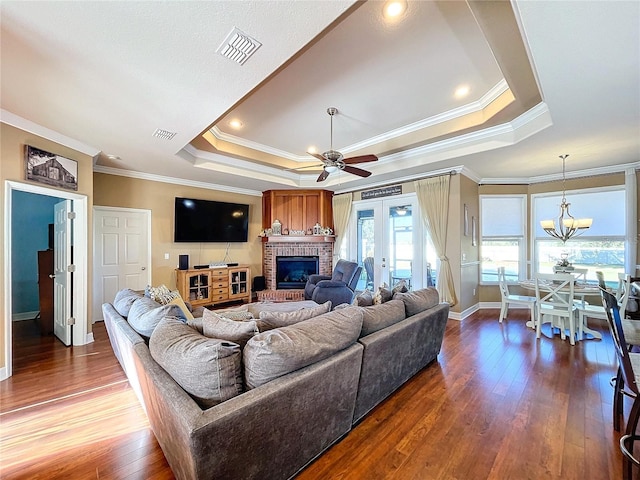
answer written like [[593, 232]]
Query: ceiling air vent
[[238, 46], [164, 134]]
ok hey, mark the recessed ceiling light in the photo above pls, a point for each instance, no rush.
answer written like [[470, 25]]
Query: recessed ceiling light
[[462, 91], [235, 123], [394, 8], [312, 149]]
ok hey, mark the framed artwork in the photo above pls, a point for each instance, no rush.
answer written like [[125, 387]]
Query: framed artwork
[[474, 232], [466, 220], [51, 169]]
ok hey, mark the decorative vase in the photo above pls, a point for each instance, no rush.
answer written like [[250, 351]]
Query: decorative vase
[[276, 228]]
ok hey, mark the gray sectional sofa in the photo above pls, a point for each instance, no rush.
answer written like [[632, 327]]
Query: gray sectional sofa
[[307, 383]]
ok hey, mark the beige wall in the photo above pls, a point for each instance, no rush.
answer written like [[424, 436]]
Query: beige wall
[[490, 293], [12, 167], [469, 271], [125, 192]]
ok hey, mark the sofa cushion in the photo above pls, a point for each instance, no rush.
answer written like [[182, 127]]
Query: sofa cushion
[[124, 299], [240, 314], [364, 299], [271, 354], [400, 287], [270, 320], [418, 300], [216, 326], [258, 307], [377, 317], [145, 314], [208, 369]]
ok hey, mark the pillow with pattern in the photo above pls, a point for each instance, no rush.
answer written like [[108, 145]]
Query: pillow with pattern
[[364, 299], [161, 294], [384, 294]]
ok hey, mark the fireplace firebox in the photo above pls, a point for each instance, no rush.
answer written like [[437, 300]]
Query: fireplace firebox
[[293, 272]]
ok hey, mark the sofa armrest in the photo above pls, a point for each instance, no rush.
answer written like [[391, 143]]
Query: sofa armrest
[[298, 416], [315, 278], [331, 284]]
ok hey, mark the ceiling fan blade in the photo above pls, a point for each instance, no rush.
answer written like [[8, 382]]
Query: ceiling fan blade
[[318, 156], [356, 171], [360, 159], [323, 176]]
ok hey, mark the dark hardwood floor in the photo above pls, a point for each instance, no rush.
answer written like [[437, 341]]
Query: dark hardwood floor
[[498, 404]]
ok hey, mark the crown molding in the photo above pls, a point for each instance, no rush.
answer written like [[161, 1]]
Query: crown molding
[[590, 172], [175, 181], [46, 133], [472, 107]]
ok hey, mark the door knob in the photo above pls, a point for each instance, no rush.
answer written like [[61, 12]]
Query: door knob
[[143, 268], [51, 275]]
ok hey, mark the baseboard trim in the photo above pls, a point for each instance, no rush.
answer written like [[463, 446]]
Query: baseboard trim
[[18, 317]]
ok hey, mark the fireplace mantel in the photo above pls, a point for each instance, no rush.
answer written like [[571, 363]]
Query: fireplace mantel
[[299, 239]]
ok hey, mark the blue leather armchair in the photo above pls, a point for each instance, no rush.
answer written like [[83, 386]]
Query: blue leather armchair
[[339, 287]]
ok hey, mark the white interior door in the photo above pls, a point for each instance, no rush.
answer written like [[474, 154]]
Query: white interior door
[[62, 269], [121, 253], [389, 231]]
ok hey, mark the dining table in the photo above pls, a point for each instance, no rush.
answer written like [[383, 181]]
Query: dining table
[[580, 290]]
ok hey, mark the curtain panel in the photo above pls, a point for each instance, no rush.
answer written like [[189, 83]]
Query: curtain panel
[[433, 198]]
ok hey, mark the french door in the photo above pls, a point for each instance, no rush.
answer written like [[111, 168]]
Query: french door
[[386, 237]]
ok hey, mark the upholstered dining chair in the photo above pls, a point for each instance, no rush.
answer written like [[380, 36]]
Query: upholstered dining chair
[[626, 383], [508, 298], [555, 297]]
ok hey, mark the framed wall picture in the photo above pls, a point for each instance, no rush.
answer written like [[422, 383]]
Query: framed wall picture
[[51, 169]]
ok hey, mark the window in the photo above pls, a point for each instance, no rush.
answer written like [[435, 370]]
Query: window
[[502, 226], [600, 247]]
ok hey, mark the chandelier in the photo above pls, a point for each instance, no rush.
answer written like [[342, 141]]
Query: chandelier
[[567, 226]]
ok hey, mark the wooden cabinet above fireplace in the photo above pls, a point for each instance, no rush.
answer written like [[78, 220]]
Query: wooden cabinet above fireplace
[[297, 209]]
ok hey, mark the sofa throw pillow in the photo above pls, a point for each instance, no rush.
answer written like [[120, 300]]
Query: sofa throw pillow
[[400, 287], [383, 294], [160, 294], [271, 320], [418, 300], [185, 310], [364, 299], [377, 317], [271, 354], [145, 314], [124, 299], [208, 369], [215, 326]]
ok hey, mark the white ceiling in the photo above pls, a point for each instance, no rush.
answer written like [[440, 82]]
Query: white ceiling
[[546, 78]]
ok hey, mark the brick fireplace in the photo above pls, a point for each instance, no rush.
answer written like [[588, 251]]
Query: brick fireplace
[[299, 246]]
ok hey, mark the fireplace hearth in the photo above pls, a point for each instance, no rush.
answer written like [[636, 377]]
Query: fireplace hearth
[[292, 272]]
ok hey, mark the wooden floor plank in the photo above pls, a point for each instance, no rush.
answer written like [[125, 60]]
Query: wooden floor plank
[[497, 404]]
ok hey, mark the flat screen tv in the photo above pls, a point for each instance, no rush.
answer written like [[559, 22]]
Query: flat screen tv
[[210, 221]]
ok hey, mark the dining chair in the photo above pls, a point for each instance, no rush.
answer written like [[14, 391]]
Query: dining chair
[[555, 297], [626, 383], [509, 298], [631, 327]]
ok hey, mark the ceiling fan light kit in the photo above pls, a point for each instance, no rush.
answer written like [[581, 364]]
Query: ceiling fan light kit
[[332, 160]]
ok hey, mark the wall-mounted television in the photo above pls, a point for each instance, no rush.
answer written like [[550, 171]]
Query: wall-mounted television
[[210, 221]]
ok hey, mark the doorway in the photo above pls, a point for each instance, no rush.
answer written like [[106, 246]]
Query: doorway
[[78, 292], [388, 240]]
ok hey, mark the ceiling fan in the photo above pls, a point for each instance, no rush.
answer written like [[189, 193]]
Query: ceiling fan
[[332, 160]]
